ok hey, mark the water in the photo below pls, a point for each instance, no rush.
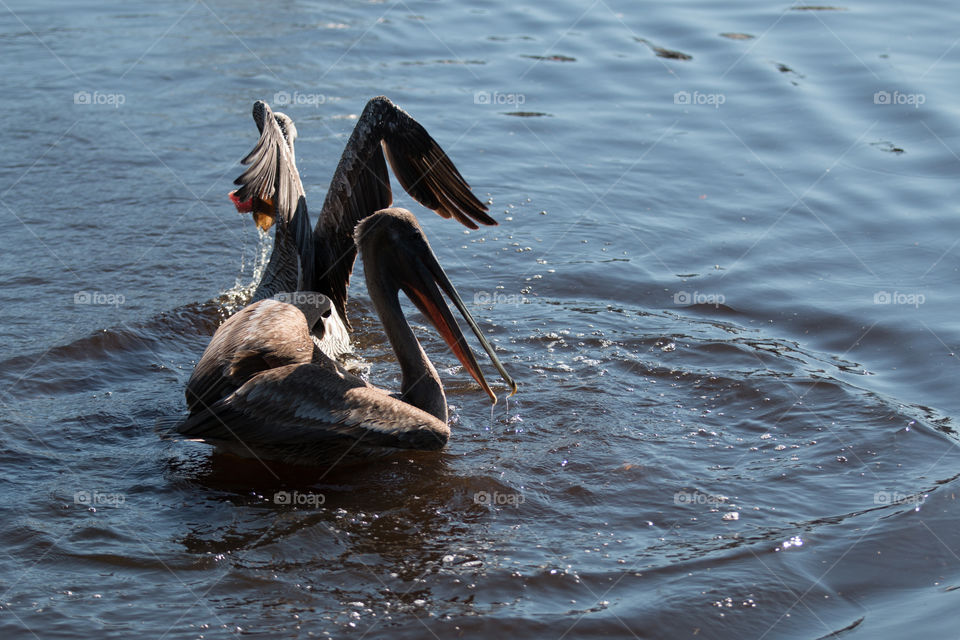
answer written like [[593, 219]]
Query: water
[[724, 278]]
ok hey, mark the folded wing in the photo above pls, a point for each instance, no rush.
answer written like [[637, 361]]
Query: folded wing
[[262, 336], [312, 406]]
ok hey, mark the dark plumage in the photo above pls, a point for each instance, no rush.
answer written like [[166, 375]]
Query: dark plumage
[[267, 334], [262, 388], [360, 186], [267, 385]]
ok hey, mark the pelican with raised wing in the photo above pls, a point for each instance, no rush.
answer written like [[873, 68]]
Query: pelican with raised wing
[[268, 384], [270, 188], [263, 389]]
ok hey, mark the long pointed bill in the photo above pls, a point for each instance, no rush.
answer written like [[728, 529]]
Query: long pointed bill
[[426, 296]]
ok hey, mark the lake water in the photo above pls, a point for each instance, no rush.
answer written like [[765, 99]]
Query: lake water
[[725, 278]]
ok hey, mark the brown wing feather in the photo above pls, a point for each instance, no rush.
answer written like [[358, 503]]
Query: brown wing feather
[[303, 406], [273, 177], [264, 335]]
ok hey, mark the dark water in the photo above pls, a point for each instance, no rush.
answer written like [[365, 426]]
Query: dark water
[[734, 326]]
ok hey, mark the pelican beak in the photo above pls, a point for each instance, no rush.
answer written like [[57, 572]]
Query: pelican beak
[[426, 296]]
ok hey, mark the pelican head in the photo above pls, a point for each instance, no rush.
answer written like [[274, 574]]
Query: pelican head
[[289, 130], [397, 255]]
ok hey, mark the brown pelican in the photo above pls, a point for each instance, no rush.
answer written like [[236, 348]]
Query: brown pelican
[[268, 384], [323, 261], [263, 388]]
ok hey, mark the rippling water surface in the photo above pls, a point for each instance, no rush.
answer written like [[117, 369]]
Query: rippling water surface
[[725, 277]]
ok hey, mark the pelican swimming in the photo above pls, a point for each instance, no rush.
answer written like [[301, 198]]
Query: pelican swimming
[[263, 388], [268, 384]]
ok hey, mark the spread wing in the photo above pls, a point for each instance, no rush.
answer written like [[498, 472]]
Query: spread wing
[[361, 186], [309, 406], [272, 180]]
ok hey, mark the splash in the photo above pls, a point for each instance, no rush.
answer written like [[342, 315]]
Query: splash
[[237, 296]]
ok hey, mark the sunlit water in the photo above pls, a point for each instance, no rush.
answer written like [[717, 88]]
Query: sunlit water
[[725, 278]]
